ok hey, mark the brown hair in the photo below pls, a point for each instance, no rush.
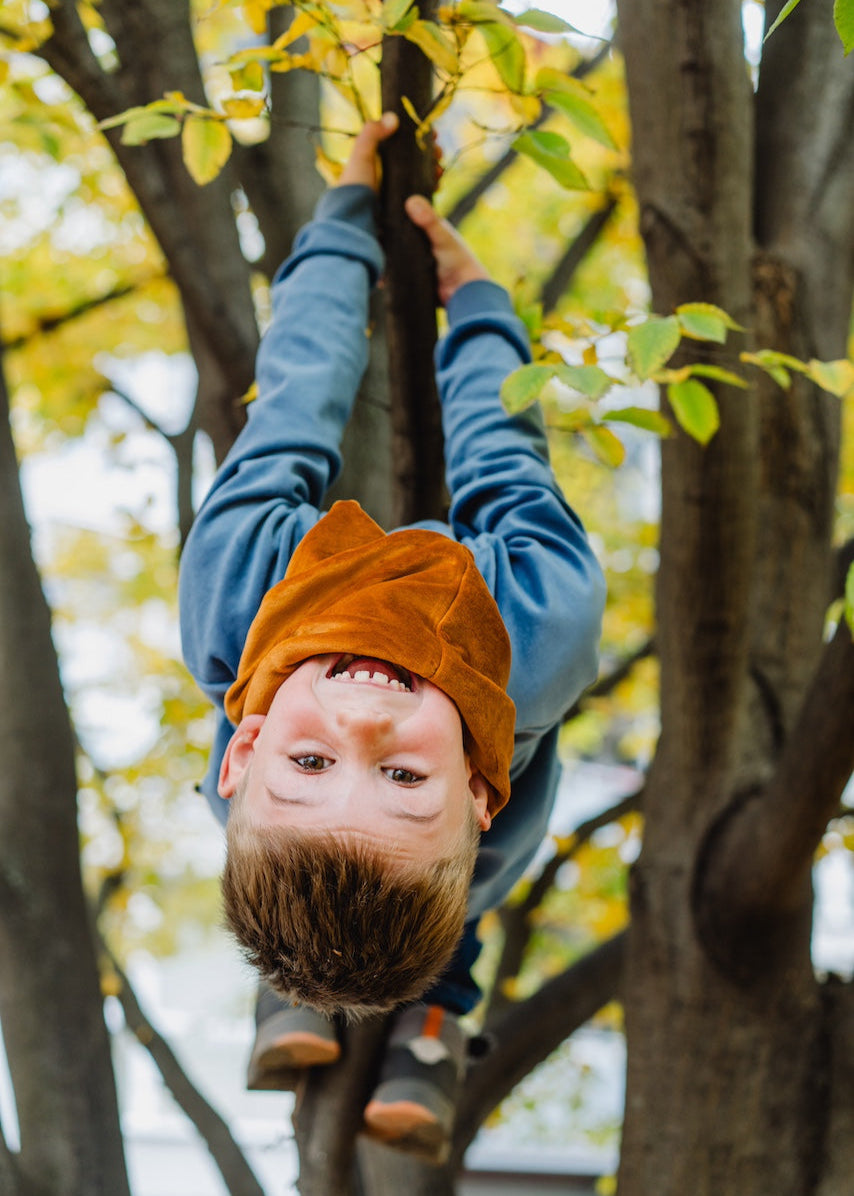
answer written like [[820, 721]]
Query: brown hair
[[337, 924]]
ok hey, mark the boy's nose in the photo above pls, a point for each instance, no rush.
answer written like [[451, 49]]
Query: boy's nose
[[365, 721]]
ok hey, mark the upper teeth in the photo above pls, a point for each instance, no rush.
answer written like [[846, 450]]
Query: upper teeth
[[366, 675]]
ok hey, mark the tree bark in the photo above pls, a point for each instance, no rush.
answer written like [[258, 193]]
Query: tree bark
[[727, 1030], [50, 1000], [410, 289]]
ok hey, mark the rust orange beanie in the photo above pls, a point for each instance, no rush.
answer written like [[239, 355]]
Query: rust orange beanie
[[412, 597]]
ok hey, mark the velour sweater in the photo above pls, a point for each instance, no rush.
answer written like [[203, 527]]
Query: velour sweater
[[506, 509]]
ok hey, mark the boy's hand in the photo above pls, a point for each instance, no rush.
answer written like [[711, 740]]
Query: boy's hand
[[455, 262], [363, 164]]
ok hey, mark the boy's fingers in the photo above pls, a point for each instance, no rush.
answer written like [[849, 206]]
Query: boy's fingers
[[421, 212], [362, 165]]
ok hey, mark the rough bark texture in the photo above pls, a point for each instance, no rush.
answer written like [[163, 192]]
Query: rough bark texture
[[745, 201], [50, 1001], [410, 289]]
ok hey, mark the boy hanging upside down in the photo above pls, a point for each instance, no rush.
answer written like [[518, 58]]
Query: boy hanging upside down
[[366, 683]]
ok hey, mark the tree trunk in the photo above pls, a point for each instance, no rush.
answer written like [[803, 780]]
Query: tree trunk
[[50, 1000], [730, 1081]]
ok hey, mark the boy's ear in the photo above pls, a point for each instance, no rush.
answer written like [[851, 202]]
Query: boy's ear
[[479, 788], [238, 754]]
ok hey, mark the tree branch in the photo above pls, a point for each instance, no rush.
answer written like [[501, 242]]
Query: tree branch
[[468, 202], [329, 1109], [558, 282], [515, 917], [758, 856], [237, 1175], [607, 684], [410, 290], [532, 1029], [51, 323]]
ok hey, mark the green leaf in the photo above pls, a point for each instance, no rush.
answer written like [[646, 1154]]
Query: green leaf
[[849, 598], [607, 447], [652, 343], [716, 372], [583, 114], [641, 417], [148, 127], [790, 6], [776, 365], [394, 11], [480, 11], [589, 380], [843, 16], [524, 386], [433, 42], [206, 146], [507, 54], [703, 321], [695, 409], [552, 152], [544, 22], [834, 376]]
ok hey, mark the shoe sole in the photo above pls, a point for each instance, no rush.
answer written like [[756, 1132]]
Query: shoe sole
[[299, 1048], [408, 1126]]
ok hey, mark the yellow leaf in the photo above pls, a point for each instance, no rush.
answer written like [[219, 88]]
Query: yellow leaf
[[255, 12], [528, 107], [243, 109], [206, 145], [302, 23], [248, 78], [328, 169], [433, 42]]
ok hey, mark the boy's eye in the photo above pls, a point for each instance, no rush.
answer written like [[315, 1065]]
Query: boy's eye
[[403, 776], [311, 763]]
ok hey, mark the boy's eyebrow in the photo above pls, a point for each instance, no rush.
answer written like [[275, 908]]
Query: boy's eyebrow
[[408, 817], [403, 815]]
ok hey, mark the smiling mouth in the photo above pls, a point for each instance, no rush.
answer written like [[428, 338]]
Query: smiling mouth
[[361, 670]]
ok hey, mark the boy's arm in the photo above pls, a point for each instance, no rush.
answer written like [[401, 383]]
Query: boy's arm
[[505, 503], [266, 495]]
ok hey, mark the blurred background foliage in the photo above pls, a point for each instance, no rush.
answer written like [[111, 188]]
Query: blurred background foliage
[[98, 369]]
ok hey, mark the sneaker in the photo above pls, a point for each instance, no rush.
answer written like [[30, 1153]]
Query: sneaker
[[414, 1104], [288, 1039]]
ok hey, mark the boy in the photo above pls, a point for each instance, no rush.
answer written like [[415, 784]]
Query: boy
[[365, 734]]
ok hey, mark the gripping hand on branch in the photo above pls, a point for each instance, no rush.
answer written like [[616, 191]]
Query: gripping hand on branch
[[455, 262], [363, 165]]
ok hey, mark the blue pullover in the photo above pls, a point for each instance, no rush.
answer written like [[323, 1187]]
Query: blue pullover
[[505, 505]]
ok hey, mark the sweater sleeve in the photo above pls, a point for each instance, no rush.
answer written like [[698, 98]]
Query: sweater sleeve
[[268, 491], [507, 507]]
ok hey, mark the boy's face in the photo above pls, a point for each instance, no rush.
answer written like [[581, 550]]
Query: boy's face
[[360, 748]]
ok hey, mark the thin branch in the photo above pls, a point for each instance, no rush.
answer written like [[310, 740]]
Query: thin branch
[[558, 282], [68, 52], [52, 323], [607, 684], [530, 1030], [466, 203], [516, 918], [757, 859], [235, 1170]]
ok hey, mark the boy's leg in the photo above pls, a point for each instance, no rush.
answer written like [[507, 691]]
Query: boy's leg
[[414, 1104], [288, 1037]]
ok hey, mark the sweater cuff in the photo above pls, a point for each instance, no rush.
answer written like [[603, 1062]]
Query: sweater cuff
[[354, 203], [478, 298]]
